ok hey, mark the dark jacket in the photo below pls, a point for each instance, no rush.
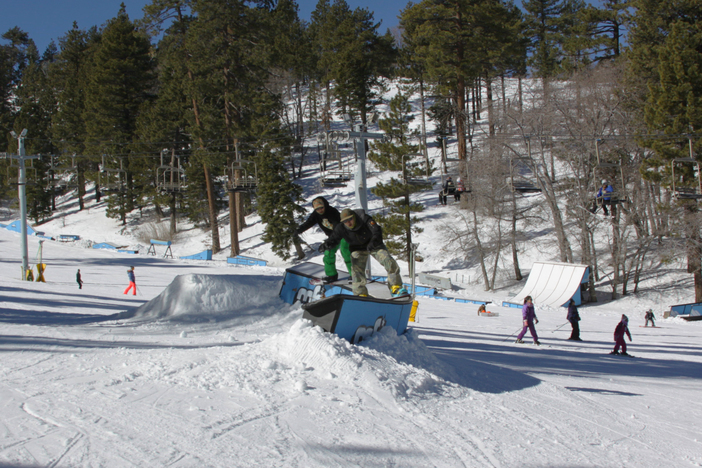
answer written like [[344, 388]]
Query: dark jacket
[[326, 221], [449, 187], [365, 235], [130, 274], [622, 327], [573, 315]]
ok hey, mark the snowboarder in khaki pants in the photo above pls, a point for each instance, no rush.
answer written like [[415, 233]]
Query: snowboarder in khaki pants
[[365, 238], [132, 281]]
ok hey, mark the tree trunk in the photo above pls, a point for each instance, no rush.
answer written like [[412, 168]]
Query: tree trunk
[[481, 252], [490, 108], [515, 256], [233, 226], [212, 205], [174, 214], [461, 119]]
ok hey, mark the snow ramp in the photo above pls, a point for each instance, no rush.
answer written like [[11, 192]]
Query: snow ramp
[[214, 298], [552, 284]]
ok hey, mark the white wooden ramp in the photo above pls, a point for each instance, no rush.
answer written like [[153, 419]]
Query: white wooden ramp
[[553, 284]]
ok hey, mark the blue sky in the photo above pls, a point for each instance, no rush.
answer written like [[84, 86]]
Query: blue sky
[[45, 20]]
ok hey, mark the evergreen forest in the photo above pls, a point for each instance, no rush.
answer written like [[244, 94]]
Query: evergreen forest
[[204, 107]]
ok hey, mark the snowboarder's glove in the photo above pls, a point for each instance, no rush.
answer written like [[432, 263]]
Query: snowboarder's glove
[[322, 247]]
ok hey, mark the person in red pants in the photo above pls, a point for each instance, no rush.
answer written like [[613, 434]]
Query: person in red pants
[[132, 281]]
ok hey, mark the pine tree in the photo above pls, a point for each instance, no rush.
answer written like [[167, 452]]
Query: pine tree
[[351, 54], [68, 76], [666, 40], [458, 42], [36, 103], [278, 201], [396, 154], [119, 85]]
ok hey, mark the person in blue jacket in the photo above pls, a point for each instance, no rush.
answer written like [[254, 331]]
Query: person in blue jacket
[[604, 197], [529, 318], [132, 281]]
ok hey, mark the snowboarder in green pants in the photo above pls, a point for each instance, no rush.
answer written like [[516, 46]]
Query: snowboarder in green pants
[[327, 217]]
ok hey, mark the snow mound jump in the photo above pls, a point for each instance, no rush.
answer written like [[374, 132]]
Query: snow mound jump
[[207, 298]]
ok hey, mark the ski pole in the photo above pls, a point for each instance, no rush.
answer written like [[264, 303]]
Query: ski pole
[[560, 326], [510, 336]]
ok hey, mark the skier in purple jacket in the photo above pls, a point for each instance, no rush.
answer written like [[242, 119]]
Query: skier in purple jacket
[[529, 316], [622, 328]]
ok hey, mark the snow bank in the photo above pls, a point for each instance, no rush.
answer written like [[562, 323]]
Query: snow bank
[[378, 364], [199, 298]]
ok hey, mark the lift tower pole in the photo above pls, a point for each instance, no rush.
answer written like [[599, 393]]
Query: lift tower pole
[[22, 194]]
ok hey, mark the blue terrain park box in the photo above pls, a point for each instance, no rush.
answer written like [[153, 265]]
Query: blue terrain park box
[[335, 309]]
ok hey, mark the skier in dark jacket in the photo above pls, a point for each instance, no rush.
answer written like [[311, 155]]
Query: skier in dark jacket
[[529, 318], [327, 217], [449, 188], [651, 317], [619, 332], [574, 317], [79, 280], [365, 238], [132, 281]]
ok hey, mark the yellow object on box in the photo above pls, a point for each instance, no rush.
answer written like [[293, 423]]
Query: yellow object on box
[[413, 311]]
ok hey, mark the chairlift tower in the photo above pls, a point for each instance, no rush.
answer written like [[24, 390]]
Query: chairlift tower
[[360, 135], [21, 157]]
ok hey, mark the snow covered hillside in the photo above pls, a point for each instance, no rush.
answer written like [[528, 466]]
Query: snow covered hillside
[[207, 367]]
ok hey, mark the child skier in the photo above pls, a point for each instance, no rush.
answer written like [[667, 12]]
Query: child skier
[[574, 317], [529, 317], [79, 279], [651, 317], [622, 328], [132, 281]]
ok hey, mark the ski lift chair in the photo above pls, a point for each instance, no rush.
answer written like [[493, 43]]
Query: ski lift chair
[[522, 176], [337, 177], [686, 192], [242, 181], [112, 180], [410, 170], [169, 178]]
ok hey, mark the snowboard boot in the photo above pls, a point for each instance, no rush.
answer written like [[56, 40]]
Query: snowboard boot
[[330, 278], [399, 291]]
